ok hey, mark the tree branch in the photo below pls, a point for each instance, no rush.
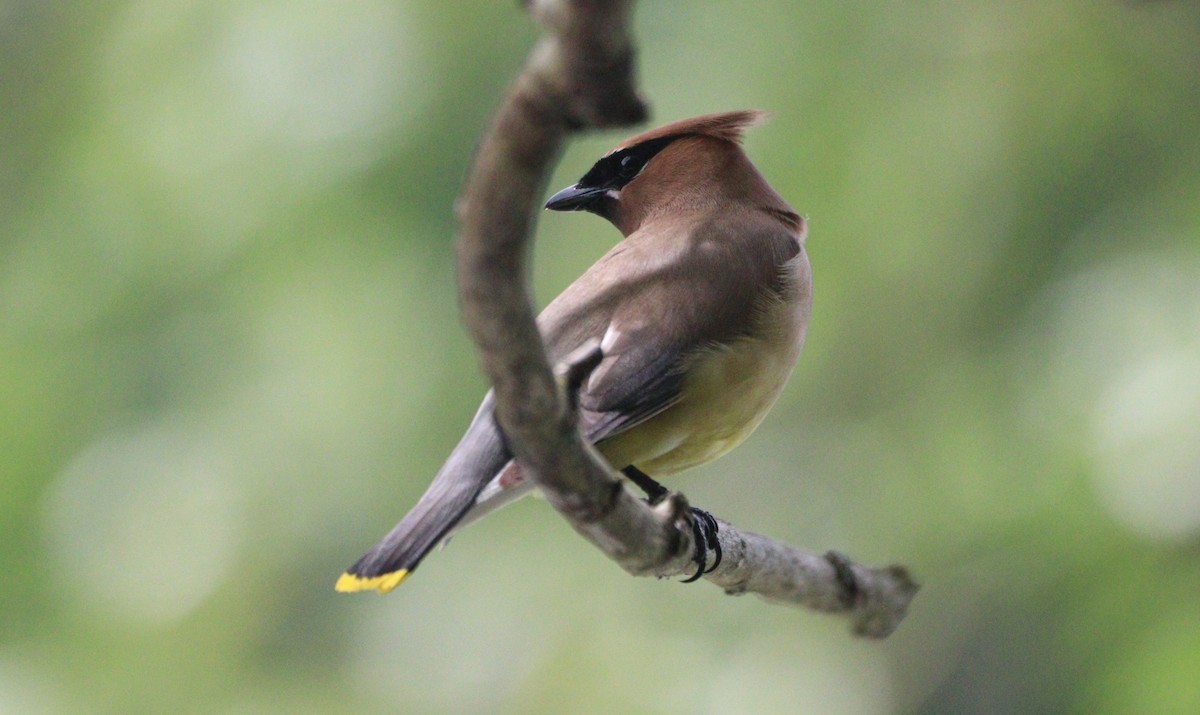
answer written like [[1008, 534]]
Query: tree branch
[[580, 75]]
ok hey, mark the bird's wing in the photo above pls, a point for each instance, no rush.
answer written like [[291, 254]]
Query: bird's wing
[[654, 301]]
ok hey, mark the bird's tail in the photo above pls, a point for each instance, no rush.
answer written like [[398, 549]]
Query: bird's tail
[[479, 456]]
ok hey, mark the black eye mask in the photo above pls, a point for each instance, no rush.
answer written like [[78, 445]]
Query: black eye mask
[[596, 191], [620, 167]]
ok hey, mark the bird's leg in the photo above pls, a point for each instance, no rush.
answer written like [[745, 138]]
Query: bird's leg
[[654, 491], [704, 525]]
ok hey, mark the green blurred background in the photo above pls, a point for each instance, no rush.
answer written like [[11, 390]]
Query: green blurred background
[[231, 360]]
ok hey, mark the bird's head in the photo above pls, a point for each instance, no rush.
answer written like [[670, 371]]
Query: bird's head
[[685, 162]]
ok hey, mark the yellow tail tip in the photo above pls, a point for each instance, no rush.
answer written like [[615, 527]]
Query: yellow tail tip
[[348, 582]]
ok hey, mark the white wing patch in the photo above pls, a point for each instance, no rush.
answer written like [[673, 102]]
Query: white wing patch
[[608, 346]]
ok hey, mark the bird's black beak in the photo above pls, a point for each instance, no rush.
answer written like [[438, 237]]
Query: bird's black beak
[[575, 198]]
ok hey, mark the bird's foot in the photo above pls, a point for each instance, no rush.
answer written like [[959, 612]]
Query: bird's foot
[[704, 534]]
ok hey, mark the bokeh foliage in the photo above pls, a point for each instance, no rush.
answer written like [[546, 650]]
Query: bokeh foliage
[[231, 359]]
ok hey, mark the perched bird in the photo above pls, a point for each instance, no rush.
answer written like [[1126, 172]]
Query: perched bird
[[700, 312]]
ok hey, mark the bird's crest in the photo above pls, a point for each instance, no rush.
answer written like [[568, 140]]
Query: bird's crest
[[728, 126]]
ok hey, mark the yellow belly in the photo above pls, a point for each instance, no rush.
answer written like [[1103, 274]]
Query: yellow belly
[[727, 393]]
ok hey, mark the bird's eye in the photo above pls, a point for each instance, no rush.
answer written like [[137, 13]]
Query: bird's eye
[[628, 167]]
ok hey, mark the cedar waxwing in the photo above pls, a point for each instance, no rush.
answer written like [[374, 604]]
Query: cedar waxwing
[[700, 312]]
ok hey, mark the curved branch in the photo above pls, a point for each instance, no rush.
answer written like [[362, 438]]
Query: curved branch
[[580, 75]]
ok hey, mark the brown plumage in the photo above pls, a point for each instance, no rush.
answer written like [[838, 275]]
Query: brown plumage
[[700, 310], [727, 126]]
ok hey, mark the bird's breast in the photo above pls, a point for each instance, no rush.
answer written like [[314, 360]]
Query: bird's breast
[[727, 392]]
